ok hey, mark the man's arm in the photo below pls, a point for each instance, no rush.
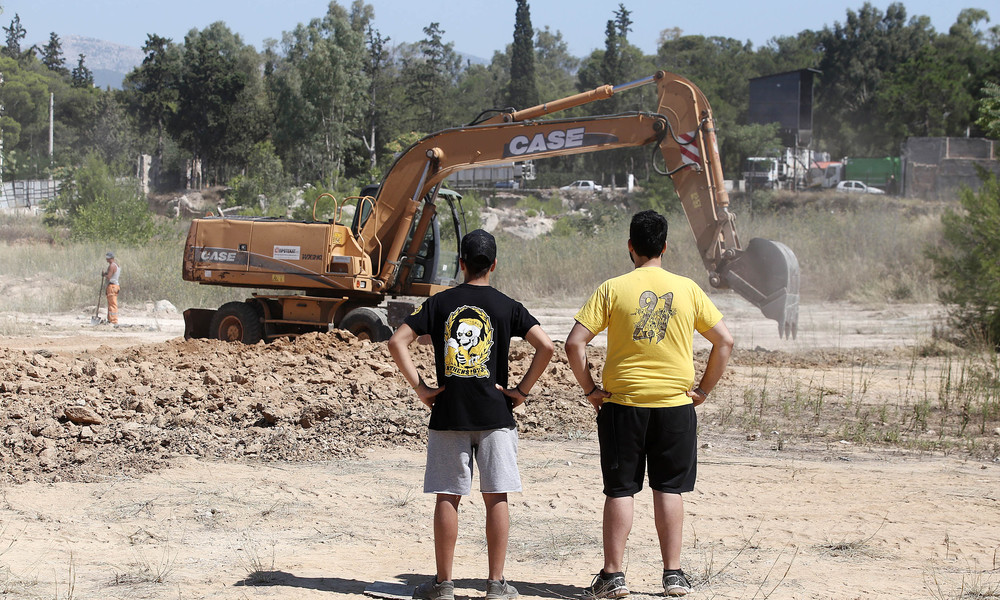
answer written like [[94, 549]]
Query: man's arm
[[399, 348], [576, 353], [718, 358], [544, 349]]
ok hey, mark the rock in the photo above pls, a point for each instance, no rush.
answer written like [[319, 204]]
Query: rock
[[82, 415], [186, 418], [164, 306]]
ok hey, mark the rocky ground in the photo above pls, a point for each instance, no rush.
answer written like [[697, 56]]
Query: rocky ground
[[76, 416]]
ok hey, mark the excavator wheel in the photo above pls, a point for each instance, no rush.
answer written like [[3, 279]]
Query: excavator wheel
[[367, 324], [236, 322]]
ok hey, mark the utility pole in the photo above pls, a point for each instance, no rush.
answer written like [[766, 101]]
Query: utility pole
[[3, 199], [52, 105]]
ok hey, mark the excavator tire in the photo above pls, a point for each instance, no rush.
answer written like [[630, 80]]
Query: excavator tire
[[236, 322], [367, 324]]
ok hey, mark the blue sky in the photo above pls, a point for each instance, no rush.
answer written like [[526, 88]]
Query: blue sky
[[475, 27]]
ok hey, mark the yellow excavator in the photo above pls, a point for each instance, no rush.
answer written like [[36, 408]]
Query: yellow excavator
[[353, 276]]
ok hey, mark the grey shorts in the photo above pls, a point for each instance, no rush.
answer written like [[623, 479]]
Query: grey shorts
[[450, 455]]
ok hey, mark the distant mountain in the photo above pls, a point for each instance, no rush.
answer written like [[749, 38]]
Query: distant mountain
[[110, 62]]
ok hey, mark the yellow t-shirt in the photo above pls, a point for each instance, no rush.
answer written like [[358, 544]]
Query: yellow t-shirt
[[651, 316]]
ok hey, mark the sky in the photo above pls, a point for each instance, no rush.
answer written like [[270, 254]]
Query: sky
[[475, 27]]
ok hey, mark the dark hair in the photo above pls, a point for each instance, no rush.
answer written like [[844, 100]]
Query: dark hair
[[648, 233], [479, 250]]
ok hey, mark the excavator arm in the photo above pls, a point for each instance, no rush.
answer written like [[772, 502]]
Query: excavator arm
[[764, 272]]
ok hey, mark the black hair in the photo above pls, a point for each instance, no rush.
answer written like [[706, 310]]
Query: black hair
[[648, 233]]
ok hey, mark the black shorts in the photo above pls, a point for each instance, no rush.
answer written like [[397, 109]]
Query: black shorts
[[666, 438]]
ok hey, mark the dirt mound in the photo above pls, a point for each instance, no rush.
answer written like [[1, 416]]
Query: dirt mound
[[84, 417]]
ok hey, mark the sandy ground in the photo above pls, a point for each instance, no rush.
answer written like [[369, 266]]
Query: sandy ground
[[822, 520]]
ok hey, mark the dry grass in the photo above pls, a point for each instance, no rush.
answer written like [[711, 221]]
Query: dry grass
[[892, 398], [847, 251]]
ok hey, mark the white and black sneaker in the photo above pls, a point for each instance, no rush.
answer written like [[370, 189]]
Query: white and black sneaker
[[607, 585], [675, 583]]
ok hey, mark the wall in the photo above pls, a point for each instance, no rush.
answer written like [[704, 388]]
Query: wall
[[937, 168]]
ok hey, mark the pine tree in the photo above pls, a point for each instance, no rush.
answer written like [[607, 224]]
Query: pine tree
[[52, 56], [15, 33], [82, 76], [523, 91]]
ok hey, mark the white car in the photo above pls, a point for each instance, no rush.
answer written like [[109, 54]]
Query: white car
[[856, 187], [583, 185]]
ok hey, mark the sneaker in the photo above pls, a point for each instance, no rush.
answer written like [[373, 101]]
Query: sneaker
[[432, 590], [675, 583], [607, 586], [500, 590]]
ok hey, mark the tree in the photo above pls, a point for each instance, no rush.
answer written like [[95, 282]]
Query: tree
[[152, 88], [52, 55], [15, 35], [376, 67], [967, 262], [989, 110], [523, 91], [320, 93], [95, 205], [858, 56], [738, 142], [554, 65], [429, 78], [219, 117], [82, 76]]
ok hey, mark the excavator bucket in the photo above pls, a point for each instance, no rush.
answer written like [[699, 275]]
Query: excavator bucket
[[767, 274]]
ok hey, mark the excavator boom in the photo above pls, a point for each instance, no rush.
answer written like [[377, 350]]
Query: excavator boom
[[682, 128]]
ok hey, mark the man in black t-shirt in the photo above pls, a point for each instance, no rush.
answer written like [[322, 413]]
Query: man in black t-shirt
[[470, 327]]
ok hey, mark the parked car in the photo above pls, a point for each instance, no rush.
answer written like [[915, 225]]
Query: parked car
[[856, 187], [509, 184], [584, 185]]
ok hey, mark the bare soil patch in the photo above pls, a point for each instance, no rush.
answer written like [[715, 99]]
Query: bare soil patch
[[140, 465]]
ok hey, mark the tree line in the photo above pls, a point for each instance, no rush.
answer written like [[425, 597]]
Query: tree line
[[332, 101]]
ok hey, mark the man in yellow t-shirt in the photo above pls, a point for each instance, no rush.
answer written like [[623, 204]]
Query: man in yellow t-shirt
[[645, 410]]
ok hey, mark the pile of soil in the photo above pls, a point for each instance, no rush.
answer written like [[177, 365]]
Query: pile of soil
[[83, 417]]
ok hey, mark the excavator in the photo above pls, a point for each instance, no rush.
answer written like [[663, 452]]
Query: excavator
[[355, 276]]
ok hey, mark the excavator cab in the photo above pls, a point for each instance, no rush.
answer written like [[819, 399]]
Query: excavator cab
[[435, 260]]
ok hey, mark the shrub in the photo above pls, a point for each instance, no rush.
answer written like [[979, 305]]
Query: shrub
[[967, 262], [96, 206]]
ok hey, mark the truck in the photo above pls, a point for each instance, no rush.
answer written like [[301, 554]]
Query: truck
[[883, 173], [788, 170], [360, 273]]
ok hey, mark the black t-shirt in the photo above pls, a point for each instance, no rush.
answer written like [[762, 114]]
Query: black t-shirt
[[471, 327]]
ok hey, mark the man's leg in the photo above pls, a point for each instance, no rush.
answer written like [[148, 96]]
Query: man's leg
[[112, 304], [445, 534], [497, 532], [617, 526], [668, 513]]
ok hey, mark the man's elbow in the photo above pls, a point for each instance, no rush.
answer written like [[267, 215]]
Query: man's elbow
[[726, 343], [546, 349]]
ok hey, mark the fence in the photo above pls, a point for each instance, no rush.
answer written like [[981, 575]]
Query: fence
[[27, 195]]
